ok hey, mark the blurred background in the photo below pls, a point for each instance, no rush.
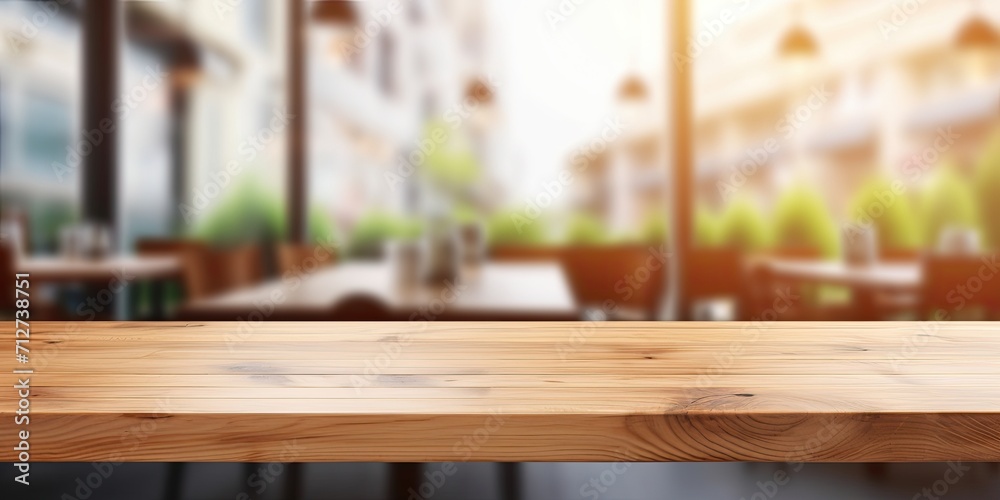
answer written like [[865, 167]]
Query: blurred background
[[844, 153], [247, 160]]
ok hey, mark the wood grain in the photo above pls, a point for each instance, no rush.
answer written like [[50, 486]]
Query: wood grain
[[412, 392]]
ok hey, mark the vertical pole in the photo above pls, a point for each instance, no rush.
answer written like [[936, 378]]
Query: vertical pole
[[297, 127], [681, 73], [102, 36], [180, 103]]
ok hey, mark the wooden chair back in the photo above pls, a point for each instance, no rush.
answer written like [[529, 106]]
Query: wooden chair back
[[632, 277], [209, 271], [301, 259], [244, 266], [960, 285], [6, 263], [717, 274], [190, 253]]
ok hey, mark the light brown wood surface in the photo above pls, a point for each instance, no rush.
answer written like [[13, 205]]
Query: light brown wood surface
[[402, 392]]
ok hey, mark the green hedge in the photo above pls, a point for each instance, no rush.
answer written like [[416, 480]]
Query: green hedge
[[249, 213], [949, 201], [802, 220], [744, 227], [988, 192], [889, 211]]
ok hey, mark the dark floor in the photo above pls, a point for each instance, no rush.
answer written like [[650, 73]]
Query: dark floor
[[478, 481]]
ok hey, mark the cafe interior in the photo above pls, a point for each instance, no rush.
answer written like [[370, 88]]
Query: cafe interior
[[486, 160]]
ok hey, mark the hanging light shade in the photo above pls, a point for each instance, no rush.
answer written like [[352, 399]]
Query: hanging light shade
[[633, 89], [480, 92], [798, 42], [978, 33], [334, 12]]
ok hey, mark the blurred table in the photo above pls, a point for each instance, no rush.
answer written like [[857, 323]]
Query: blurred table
[[63, 269], [899, 276], [498, 291], [866, 281], [114, 272], [562, 391]]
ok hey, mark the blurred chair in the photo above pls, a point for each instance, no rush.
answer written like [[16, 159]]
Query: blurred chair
[[295, 258], [720, 275], [212, 271], [632, 277], [188, 251], [897, 305], [6, 274], [209, 271], [964, 287], [788, 299], [360, 307], [14, 230], [245, 266]]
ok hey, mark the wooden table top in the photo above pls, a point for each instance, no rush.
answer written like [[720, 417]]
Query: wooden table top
[[801, 392], [500, 289], [880, 275], [63, 269]]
